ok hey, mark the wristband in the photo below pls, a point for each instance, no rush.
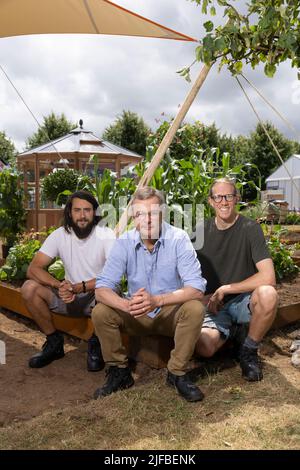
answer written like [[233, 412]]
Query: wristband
[[83, 287]]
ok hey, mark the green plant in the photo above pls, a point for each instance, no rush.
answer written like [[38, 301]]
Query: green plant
[[12, 213], [56, 186], [262, 32], [18, 260], [107, 189], [57, 269], [8, 151], [53, 127], [292, 218], [186, 179], [185, 174], [21, 254], [130, 131], [285, 267], [258, 211]]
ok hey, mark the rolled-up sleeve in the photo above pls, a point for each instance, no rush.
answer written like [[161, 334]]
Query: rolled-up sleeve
[[188, 265], [114, 268]]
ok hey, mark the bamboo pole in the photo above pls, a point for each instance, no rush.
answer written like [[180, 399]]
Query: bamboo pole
[[165, 143]]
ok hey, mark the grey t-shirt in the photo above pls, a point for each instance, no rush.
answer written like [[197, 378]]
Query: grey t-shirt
[[230, 255]]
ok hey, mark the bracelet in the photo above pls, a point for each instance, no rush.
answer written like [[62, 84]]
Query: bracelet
[[83, 287]]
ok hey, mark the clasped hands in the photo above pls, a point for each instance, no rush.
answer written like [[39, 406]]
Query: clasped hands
[[141, 303], [66, 292]]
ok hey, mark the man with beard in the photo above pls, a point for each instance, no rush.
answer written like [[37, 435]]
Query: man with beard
[[83, 247]]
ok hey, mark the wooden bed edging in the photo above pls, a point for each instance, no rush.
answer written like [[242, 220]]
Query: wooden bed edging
[[10, 298], [152, 350]]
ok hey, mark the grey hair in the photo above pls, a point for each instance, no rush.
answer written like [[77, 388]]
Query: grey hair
[[147, 192], [227, 180]]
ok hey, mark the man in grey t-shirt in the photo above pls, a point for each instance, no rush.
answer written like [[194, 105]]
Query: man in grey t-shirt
[[240, 280]]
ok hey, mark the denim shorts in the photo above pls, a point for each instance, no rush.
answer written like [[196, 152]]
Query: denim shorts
[[235, 311], [80, 307]]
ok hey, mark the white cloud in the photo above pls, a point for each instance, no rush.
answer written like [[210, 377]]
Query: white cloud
[[96, 77]]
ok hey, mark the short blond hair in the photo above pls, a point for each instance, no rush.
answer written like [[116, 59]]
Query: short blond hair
[[227, 180]]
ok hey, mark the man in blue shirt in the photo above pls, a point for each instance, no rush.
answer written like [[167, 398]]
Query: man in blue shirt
[[165, 289]]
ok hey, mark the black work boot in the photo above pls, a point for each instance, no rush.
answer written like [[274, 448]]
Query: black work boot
[[53, 349], [117, 379], [185, 387], [94, 357], [250, 364]]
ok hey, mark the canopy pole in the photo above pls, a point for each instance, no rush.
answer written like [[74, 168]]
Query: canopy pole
[[166, 142]]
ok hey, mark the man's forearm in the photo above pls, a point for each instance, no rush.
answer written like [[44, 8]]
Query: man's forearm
[[179, 296], [109, 297], [248, 285], [87, 286], [43, 277]]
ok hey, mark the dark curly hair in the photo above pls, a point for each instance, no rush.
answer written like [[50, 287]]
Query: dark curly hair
[[86, 196]]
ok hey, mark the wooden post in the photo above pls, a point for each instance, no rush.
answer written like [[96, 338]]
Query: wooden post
[[37, 191], [25, 180], [118, 166], [76, 163], [167, 140]]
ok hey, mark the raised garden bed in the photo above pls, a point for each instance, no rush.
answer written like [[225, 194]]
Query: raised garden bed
[[11, 299]]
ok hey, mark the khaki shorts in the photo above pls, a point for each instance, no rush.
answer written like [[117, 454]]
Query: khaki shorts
[[81, 307]]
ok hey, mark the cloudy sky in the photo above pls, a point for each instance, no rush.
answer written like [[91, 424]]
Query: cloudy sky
[[95, 77]]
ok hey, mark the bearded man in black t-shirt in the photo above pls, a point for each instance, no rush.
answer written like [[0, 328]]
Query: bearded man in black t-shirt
[[240, 280]]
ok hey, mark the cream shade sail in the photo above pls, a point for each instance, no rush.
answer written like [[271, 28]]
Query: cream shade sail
[[23, 17]]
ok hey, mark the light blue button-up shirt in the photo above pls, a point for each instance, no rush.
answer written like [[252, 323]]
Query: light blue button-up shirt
[[171, 265]]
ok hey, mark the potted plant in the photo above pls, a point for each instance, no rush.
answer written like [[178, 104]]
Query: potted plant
[[12, 212], [60, 180]]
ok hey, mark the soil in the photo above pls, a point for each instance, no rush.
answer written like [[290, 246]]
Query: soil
[[27, 393], [290, 237], [289, 292]]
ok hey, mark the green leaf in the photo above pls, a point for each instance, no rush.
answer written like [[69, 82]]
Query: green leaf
[[199, 53], [270, 70], [220, 44], [185, 73], [204, 7], [209, 26], [238, 66], [57, 270]]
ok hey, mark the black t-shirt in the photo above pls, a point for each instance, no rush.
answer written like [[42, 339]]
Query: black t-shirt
[[230, 255]]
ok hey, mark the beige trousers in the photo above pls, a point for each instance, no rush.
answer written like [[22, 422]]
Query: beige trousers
[[183, 322]]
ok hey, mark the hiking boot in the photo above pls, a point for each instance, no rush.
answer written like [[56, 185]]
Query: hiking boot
[[185, 387], [94, 357], [117, 379], [250, 364], [52, 349]]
